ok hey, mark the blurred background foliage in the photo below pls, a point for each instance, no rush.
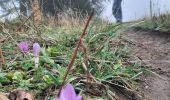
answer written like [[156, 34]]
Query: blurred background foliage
[[52, 7]]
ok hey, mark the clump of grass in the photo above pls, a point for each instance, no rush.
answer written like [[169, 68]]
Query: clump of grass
[[157, 20], [161, 22]]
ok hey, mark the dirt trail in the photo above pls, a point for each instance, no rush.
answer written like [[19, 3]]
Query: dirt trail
[[153, 48]]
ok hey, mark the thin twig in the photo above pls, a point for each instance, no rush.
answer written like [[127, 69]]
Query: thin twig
[[23, 23], [2, 57], [6, 31], [75, 51]]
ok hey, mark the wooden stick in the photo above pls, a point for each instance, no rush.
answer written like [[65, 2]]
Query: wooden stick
[[2, 57], [75, 52]]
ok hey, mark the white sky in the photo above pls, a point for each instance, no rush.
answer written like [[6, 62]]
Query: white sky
[[135, 9]]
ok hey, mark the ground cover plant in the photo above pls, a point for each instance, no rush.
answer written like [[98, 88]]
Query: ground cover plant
[[101, 67]]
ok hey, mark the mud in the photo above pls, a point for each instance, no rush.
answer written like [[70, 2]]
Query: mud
[[152, 48]]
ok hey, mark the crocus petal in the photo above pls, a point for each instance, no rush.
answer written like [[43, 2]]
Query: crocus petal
[[68, 93], [24, 47], [56, 98], [63, 96], [36, 49]]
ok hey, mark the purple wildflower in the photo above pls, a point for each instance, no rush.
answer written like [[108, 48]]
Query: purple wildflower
[[68, 93], [36, 49], [24, 47]]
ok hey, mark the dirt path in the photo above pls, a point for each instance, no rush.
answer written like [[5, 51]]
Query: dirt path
[[153, 48]]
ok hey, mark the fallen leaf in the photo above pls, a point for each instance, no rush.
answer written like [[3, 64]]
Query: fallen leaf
[[20, 95], [3, 96]]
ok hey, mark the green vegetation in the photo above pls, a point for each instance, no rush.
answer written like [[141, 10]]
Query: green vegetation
[[161, 23], [104, 57]]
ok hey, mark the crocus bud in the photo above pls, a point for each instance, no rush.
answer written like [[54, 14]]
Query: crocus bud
[[36, 51], [68, 93], [23, 47]]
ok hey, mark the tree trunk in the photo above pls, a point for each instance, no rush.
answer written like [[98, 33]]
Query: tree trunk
[[37, 15]]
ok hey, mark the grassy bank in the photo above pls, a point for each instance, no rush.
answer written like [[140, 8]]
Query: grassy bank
[[101, 63], [160, 23]]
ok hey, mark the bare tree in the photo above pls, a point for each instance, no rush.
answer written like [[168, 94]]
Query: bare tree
[[36, 12]]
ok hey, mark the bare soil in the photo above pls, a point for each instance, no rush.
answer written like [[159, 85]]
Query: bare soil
[[153, 49]]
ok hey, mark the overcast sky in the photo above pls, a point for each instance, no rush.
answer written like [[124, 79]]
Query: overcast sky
[[135, 9]]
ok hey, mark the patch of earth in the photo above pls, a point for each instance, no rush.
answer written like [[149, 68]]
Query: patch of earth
[[153, 49]]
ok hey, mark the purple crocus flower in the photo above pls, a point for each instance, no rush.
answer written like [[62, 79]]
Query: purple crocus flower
[[36, 49], [24, 47], [68, 93]]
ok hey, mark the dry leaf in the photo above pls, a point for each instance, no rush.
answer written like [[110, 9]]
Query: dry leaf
[[3, 96], [2, 39], [20, 95]]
